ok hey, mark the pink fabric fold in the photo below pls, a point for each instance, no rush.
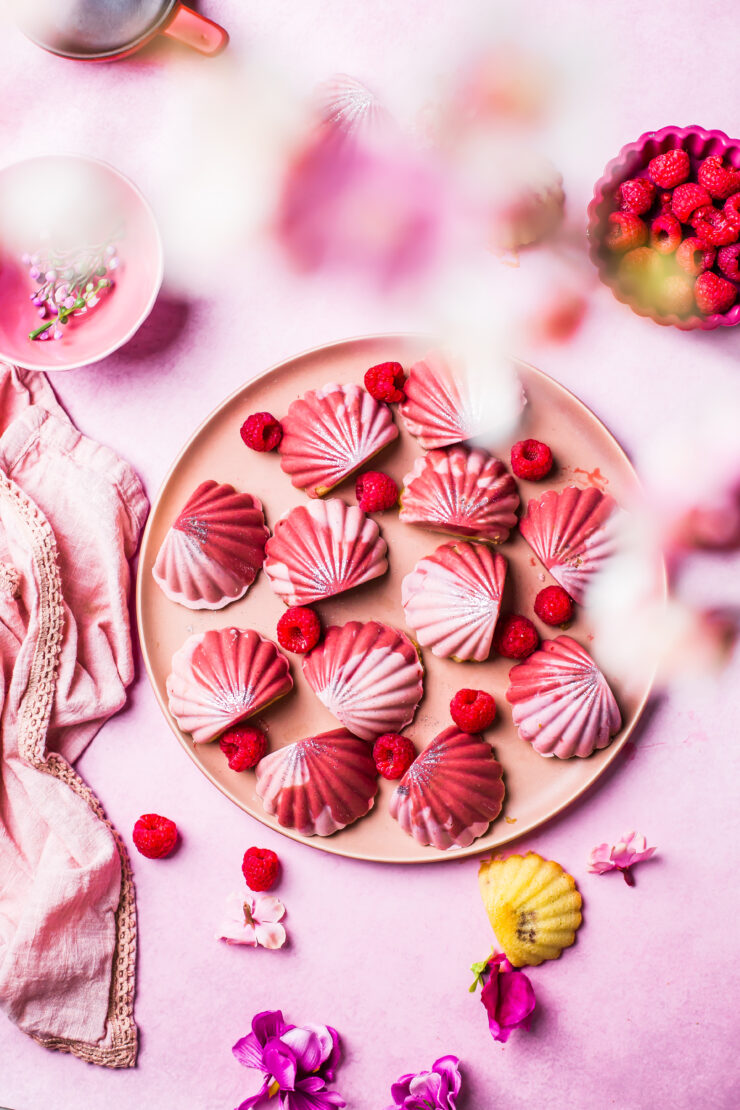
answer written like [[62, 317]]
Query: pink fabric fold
[[70, 516]]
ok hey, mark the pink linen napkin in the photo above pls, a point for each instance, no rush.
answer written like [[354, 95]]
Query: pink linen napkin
[[70, 516]]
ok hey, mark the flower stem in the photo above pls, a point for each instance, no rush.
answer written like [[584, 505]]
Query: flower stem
[[64, 313], [628, 876]]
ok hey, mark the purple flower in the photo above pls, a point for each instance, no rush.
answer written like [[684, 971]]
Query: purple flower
[[290, 1060], [429, 1090], [508, 997]]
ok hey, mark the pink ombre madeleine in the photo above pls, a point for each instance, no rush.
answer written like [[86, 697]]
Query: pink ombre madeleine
[[214, 550], [461, 491], [368, 675], [330, 433], [562, 704], [451, 599], [437, 409], [321, 549], [572, 533], [221, 676], [318, 785], [451, 792]]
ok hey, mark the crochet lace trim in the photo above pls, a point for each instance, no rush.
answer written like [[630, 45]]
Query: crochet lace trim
[[118, 1049]]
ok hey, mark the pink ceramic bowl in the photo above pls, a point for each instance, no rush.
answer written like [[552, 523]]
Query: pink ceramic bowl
[[66, 185], [632, 161]]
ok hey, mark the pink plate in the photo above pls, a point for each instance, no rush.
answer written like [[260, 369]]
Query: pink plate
[[536, 788], [113, 201]]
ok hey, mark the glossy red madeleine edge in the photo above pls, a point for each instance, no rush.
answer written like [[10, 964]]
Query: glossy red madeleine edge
[[631, 160]]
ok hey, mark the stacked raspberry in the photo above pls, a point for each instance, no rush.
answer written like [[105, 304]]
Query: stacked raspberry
[[677, 237]]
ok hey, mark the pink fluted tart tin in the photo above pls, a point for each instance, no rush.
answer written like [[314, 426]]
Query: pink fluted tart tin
[[631, 162], [535, 788]]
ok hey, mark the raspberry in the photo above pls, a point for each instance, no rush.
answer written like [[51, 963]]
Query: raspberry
[[515, 637], [261, 431], [393, 755], [639, 267], [686, 198], [531, 459], [626, 232], [665, 233], [244, 746], [385, 382], [721, 180], [299, 629], [473, 710], [665, 200], [553, 605], [713, 293], [676, 295], [376, 492], [694, 256], [731, 210], [711, 226], [260, 868], [154, 836], [669, 169], [727, 260], [636, 195]]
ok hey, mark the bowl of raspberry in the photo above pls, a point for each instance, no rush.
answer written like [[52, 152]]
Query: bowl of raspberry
[[664, 227]]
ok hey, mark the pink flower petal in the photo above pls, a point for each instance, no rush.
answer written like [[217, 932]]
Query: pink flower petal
[[306, 1046], [517, 999], [628, 851], [268, 908], [270, 935]]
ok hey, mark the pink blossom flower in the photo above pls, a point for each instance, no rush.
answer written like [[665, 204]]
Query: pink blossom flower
[[508, 997], [622, 856], [370, 209], [429, 1090], [291, 1061], [253, 919]]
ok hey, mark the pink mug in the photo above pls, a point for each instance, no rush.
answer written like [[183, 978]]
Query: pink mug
[[107, 30]]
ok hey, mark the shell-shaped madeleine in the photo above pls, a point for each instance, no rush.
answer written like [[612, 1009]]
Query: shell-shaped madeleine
[[318, 785], [368, 675], [331, 432], [437, 409], [321, 549], [214, 550], [572, 533], [221, 676], [465, 492], [451, 792], [561, 701], [451, 599], [533, 906]]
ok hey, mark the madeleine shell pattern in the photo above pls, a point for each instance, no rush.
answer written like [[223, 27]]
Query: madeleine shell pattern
[[214, 550], [572, 533], [221, 676], [451, 599], [368, 675], [330, 433], [463, 491], [318, 785], [561, 702], [321, 549], [533, 906], [451, 792]]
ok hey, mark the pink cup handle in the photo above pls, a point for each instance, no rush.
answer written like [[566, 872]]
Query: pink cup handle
[[193, 29]]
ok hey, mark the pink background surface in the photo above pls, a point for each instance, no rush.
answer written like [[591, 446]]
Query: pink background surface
[[640, 1013]]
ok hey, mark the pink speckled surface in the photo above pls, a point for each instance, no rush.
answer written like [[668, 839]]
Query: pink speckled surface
[[640, 1014]]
